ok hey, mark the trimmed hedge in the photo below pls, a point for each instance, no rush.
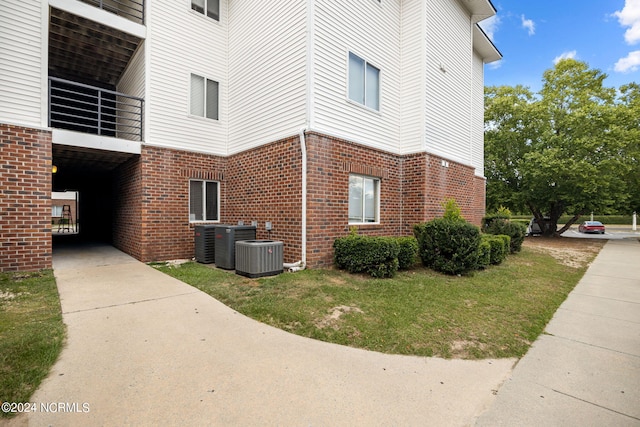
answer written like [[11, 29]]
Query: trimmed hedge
[[408, 253], [499, 247], [376, 256], [448, 245], [605, 219], [489, 219], [484, 253], [515, 231]]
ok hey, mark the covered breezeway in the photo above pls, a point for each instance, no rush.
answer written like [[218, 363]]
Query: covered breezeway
[[95, 176]]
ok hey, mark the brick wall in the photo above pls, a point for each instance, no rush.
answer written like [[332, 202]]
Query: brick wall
[[264, 184], [165, 231], [25, 202], [330, 162], [413, 188], [151, 219], [127, 207]]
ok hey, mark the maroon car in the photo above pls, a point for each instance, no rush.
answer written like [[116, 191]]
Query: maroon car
[[591, 227]]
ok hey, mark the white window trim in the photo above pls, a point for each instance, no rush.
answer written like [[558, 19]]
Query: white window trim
[[195, 116], [380, 77], [204, 205], [378, 201], [204, 14]]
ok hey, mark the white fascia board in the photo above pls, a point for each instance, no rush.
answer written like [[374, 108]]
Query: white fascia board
[[100, 16], [87, 140], [484, 46], [480, 9]]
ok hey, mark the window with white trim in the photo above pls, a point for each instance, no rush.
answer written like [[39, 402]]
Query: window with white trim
[[364, 199], [204, 201], [364, 82], [204, 97], [210, 8]]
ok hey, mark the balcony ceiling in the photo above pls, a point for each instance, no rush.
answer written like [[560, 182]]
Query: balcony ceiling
[[85, 51], [86, 160]]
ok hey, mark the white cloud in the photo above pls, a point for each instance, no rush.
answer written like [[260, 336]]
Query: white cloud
[[529, 25], [490, 26], [629, 16], [495, 64], [628, 64], [565, 55]]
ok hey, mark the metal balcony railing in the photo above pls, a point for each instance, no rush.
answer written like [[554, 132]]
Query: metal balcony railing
[[130, 9], [89, 109]]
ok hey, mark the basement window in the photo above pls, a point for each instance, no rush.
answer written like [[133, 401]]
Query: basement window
[[210, 8], [364, 199], [204, 201]]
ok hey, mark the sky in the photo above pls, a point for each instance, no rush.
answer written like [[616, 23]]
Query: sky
[[534, 34]]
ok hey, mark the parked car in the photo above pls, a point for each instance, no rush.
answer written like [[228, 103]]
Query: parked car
[[591, 227], [534, 229]]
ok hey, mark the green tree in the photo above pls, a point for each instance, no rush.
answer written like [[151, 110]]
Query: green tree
[[628, 118], [562, 151]]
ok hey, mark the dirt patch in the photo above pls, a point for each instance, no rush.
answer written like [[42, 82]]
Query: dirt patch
[[462, 349], [576, 253], [10, 296], [333, 318]]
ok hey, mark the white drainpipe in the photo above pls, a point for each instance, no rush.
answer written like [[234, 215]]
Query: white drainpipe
[[300, 265]]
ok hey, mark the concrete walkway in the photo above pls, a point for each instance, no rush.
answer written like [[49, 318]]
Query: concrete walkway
[[585, 371], [145, 349]]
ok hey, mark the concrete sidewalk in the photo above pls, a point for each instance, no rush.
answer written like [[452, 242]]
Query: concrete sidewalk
[[585, 371], [146, 349]]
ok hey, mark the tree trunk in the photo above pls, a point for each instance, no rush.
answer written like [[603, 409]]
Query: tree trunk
[[568, 225]]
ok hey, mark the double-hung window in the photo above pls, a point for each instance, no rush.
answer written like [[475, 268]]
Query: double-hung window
[[204, 97], [364, 82], [203, 201], [210, 8], [364, 199]]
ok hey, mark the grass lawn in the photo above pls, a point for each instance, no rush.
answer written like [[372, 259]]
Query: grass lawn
[[495, 313], [31, 332]]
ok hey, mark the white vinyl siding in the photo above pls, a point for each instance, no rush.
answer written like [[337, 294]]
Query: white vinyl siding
[[132, 82], [22, 63], [477, 119], [372, 31], [448, 80], [183, 43], [412, 99], [267, 71]]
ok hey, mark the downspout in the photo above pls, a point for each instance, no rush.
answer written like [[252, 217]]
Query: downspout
[[303, 232], [301, 265]]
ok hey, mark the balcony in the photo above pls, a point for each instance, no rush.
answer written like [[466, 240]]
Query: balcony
[[130, 9], [93, 110]]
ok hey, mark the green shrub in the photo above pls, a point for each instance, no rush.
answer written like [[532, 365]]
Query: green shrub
[[502, 213], [516, 231], [499, 247], [408, 252], [377, 256], [484, 253], [448, 245], [451, 210]]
